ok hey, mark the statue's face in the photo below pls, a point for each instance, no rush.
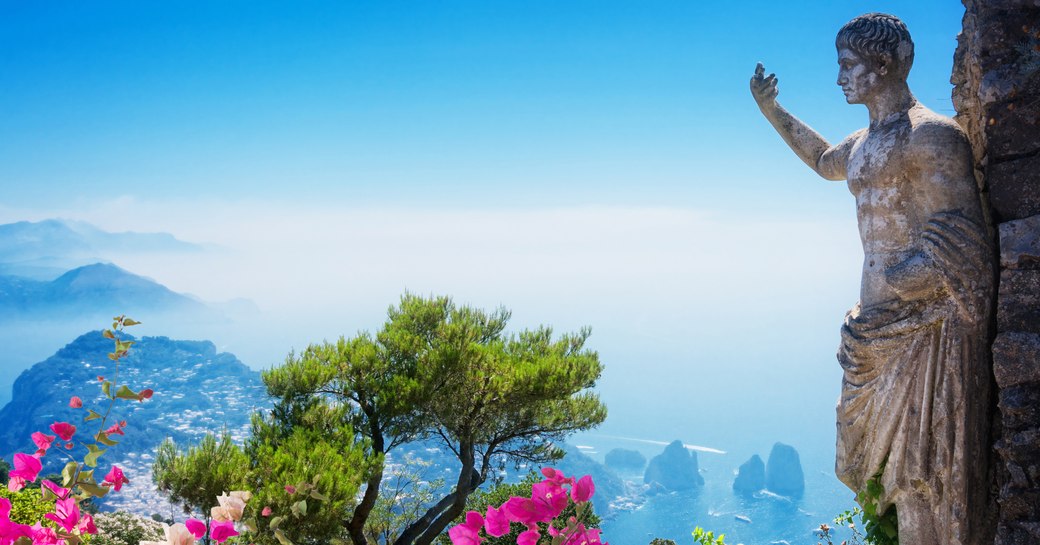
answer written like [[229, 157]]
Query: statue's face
[[857, 77]]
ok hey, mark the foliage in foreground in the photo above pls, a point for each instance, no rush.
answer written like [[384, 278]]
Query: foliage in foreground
[[122, 528], [434, 371], [194, 476]]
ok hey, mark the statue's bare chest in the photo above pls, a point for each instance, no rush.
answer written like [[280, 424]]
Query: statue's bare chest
[[879, 174]]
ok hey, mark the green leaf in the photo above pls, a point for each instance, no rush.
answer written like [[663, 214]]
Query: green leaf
[[108, 334], [68, 474], [276, 522], [112, 356], [91, 458], [124, 392], [102, 438], [94, 490], [106, 387], [319, 496], [129, 322], [91, 414], [299, 508], [280, 536]]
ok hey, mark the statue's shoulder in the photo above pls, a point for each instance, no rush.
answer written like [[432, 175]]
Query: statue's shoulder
[[930, 129]]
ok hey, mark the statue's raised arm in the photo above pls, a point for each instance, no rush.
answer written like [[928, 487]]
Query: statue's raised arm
[[811, 148]]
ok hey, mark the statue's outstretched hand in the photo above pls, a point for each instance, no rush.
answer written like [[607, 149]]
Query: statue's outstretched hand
[[763, 87]]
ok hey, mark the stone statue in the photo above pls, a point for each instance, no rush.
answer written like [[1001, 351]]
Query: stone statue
[[915, 395]]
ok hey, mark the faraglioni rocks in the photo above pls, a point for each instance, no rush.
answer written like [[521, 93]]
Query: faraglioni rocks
[[784, 474], [621, 458], [751, 477], [674, 469]]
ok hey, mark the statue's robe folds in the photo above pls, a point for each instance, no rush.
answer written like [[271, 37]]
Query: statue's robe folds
[[915, 396]]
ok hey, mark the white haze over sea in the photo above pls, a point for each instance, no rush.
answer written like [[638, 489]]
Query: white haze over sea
[[716, 327]]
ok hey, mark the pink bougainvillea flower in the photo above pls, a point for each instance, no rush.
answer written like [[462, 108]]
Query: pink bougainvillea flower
[[68, 446], [145, 394], [122, 423], [10, 531], [220, 531], [290, 489], [86, 524], [468, 533], [66, 514], [583, 490], [76, 402], [196, 527], [266, 512], [114, 429], [64, 430], [219, 514], [42, 440], [552, 497], [100, 378], [556, 476], [43, 536], [496, 523], [526, 511], [26, 467], [14, 484], [530, 537], [116, 478], [59, 492]]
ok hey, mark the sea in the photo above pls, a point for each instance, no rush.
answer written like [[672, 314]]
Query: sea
[[764, 518]]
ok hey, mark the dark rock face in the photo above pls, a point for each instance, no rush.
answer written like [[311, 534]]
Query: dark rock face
[[784, 474], [674, 469], [620, 458], [997, 96], [751, 477]]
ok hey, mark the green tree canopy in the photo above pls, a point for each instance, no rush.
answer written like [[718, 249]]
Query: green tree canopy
[[194, 477], [450, 373]]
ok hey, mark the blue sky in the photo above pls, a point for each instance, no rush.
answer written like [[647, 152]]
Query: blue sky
[[582, 162]]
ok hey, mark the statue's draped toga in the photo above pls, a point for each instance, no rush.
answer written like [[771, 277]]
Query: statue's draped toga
[[915, 387]]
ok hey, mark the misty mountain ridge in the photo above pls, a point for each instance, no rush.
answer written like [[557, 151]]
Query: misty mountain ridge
[[45, 249], [99, 289], [197, 390]]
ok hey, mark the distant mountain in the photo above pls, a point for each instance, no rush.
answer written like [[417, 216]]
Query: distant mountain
[[101, 288], [43, 250], [197, 390]]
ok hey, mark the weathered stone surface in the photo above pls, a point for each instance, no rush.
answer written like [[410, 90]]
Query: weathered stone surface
[[1020, 244], [751, 477], [1018, 303], [1019, 410], [674, 469], [1014, 187], [1016, 359], [784, 473]]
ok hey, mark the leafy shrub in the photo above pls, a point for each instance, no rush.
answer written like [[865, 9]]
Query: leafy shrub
[[122, 528]]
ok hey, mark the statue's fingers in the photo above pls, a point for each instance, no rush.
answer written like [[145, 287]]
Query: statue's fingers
[[760, 69]]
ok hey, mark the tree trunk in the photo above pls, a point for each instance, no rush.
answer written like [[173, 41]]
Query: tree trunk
[[437, 518], [356, 525]]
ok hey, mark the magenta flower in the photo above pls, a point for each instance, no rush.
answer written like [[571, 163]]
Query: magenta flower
[[114, 429], [58, 491], [42, 440], [496, 523], [525, 511], [266, 511], [64, 430], [76, 402], [552, 497], [196, 527], [468, 533], [290, 489], [556, 476], [220, 531], [26, 468], [146, 394], [530, 537], [86, 524], [66, 514], [116, 478], [583, 490], [10, 531], [43, 536]]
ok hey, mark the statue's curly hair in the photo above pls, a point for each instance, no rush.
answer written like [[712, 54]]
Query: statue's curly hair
[[874, 34]]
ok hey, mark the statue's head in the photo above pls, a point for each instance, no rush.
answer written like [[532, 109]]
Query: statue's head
[[872, 49]]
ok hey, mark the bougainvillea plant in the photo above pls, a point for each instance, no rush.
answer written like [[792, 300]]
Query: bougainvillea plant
[[547, 502], [68, 524]]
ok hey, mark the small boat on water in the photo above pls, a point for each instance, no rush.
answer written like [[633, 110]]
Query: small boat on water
[[743, 518]]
